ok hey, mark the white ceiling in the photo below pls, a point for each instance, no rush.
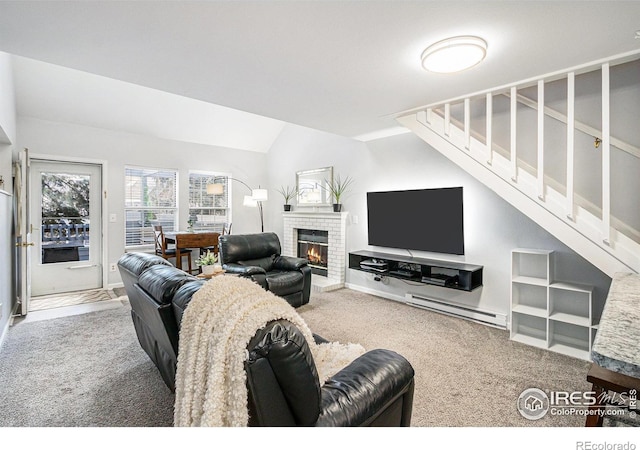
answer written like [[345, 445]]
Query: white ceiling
[[340, 66]]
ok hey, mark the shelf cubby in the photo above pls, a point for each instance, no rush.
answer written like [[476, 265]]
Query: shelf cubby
[[532, 265], [529, 329], [570, 304]]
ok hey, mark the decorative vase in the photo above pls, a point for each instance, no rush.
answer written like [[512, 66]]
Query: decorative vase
[[337, 207], [287, 207], [208, 270]]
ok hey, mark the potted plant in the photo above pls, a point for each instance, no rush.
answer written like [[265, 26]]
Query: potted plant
[[338, 187], [209, 263], [288, 193]]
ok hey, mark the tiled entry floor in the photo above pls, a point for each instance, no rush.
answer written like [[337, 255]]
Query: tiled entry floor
[[70, 299]]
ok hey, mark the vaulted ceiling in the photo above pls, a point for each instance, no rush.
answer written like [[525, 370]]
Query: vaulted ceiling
[[340, 66]]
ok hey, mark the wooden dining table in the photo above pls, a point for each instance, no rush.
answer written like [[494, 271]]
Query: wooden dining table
[[184, 240]]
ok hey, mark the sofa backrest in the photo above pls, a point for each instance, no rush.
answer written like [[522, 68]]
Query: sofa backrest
[[131, 265], [162, 282], [236, 248]]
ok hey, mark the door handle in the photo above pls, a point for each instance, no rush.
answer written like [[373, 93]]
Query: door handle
[[24, 244], [81, 267]]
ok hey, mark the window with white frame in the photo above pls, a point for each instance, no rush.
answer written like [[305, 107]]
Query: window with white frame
[[209, 211], [150, 199]]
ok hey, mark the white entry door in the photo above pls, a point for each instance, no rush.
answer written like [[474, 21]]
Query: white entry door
[[66, 224], [23, 236]]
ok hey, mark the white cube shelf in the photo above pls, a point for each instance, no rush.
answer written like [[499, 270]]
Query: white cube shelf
[[547, 313]]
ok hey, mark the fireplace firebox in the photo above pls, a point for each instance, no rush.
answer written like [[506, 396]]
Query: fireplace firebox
[[313, 245]]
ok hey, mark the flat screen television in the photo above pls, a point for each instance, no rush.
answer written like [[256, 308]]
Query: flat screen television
[[422, 219]]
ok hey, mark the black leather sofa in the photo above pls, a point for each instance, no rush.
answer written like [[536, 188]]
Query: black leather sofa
[[258, 257], [282, 381]]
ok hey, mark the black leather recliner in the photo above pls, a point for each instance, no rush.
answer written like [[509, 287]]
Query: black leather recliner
[[283, 387], [258, 256], [150, 282], [282, 381]]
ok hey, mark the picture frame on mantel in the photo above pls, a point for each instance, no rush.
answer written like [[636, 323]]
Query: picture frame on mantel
[[313, 187]]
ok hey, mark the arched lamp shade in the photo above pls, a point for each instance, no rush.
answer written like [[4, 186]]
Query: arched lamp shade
[[249, 201], [257, 195], [215, 188], [260, 195]]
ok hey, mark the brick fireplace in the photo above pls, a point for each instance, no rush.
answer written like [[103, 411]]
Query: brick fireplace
[[335, 226]]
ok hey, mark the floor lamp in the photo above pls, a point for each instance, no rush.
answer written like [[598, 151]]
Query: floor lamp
[[255, 199]]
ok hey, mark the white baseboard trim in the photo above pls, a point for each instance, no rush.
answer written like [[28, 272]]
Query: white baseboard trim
[[450, 308], [497, 320], [9, 322], [115, 285], [4, 332]]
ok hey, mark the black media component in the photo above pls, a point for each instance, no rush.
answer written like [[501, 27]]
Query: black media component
[[448, 274], [430, 220]]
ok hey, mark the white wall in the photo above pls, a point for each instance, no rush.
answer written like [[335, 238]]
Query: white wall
[[7, 138], [7, 119], [7, 101], [118, 149], [492, 227]]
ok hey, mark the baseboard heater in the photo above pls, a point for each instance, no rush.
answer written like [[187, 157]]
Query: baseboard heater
[[457, 310]]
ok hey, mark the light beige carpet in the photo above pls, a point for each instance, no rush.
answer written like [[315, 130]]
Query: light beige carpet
[[467, 374], [70, 299]]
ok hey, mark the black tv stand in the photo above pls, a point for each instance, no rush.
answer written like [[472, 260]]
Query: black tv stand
[[448, 274]]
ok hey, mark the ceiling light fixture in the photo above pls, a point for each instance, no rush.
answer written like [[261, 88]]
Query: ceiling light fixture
[[454, 54]]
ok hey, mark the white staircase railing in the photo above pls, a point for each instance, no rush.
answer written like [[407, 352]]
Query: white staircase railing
[[589, 229]]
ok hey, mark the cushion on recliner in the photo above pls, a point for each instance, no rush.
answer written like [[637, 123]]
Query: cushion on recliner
[[283, 283], [245, 247], [162, 282]]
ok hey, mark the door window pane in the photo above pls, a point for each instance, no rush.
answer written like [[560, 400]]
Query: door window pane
[[65, 217]]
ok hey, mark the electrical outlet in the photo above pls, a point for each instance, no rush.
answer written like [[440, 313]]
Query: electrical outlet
[[112, 267]]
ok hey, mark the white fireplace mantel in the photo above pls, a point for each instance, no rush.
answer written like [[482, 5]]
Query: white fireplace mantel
[[336, 226]]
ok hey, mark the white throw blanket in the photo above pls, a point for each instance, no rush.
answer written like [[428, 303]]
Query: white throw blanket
[[221, 319]]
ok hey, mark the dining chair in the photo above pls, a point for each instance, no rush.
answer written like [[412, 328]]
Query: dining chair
[[212, 248], [166, 253]]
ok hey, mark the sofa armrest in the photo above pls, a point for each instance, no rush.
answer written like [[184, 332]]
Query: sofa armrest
[[255, 273], [240, 269], [363, 391], [289, 263], [183, 297]]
